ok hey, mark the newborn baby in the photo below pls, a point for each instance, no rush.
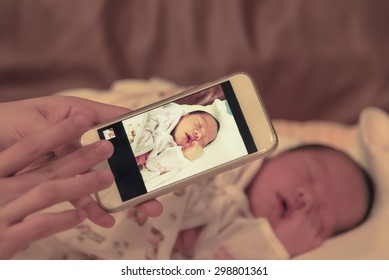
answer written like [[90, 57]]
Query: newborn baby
[[306, 194], [171, 138]]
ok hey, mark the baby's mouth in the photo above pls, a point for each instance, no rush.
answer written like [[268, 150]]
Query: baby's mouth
[[188, 138], [283, 206]]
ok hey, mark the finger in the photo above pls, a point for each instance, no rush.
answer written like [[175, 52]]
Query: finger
[[67, 148], [79, 162], [30, 230], [7, 192], [98, 112], [95, 111], [94, 212], [70, 106], [52, 192], [57, 108], [36, 145], [152, 208]]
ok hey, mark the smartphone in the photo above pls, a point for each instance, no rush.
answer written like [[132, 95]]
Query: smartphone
[[171, 144]]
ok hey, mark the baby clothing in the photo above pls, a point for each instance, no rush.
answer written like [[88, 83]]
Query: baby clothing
[[229, 230], [152, 135]]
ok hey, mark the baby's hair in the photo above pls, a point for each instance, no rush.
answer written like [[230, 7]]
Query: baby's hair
[[369, 183], [204, 112]]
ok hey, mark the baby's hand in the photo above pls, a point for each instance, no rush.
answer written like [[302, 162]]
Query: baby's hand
[[193, 151], [141, 160], [300, 233], [186, 241]]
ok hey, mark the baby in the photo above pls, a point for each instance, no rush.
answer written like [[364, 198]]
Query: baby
[[306, 195], [171, 137]]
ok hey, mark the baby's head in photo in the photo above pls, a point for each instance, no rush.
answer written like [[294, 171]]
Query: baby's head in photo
[[309, 194], [198, 126]]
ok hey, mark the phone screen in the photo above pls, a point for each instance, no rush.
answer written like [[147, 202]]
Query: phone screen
[[177, 140]]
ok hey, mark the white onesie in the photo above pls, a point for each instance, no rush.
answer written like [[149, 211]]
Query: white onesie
[[155, 138]]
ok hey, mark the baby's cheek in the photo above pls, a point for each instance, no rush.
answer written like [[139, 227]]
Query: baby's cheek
[[260, 204]]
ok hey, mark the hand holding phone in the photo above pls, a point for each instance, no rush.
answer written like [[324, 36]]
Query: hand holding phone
[[198, 133]]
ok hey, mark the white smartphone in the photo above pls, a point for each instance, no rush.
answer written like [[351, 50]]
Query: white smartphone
[[170, 144]]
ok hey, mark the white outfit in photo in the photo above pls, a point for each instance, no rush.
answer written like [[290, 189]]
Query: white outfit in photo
[[156, 139]]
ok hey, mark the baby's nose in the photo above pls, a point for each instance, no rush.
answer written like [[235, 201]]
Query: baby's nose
[[305, 199], [197, 134]]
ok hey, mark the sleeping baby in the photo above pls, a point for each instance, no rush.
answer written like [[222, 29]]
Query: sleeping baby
[[170, 138], [297, 200]]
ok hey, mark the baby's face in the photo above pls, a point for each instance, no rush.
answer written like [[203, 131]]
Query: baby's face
[[324, 185], [195, 127]]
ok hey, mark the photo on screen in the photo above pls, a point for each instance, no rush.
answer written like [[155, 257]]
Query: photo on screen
[[178, 140]]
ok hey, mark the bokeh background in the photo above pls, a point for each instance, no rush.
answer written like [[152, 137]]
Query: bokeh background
[[323, 60]]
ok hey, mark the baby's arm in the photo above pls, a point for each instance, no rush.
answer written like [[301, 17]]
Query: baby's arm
[[193, 151]]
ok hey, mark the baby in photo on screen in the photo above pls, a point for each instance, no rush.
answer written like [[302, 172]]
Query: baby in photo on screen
[[170, 138]]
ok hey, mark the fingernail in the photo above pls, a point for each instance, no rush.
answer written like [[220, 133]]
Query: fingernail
[[104, 148], [107, 221], [81, 122]]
